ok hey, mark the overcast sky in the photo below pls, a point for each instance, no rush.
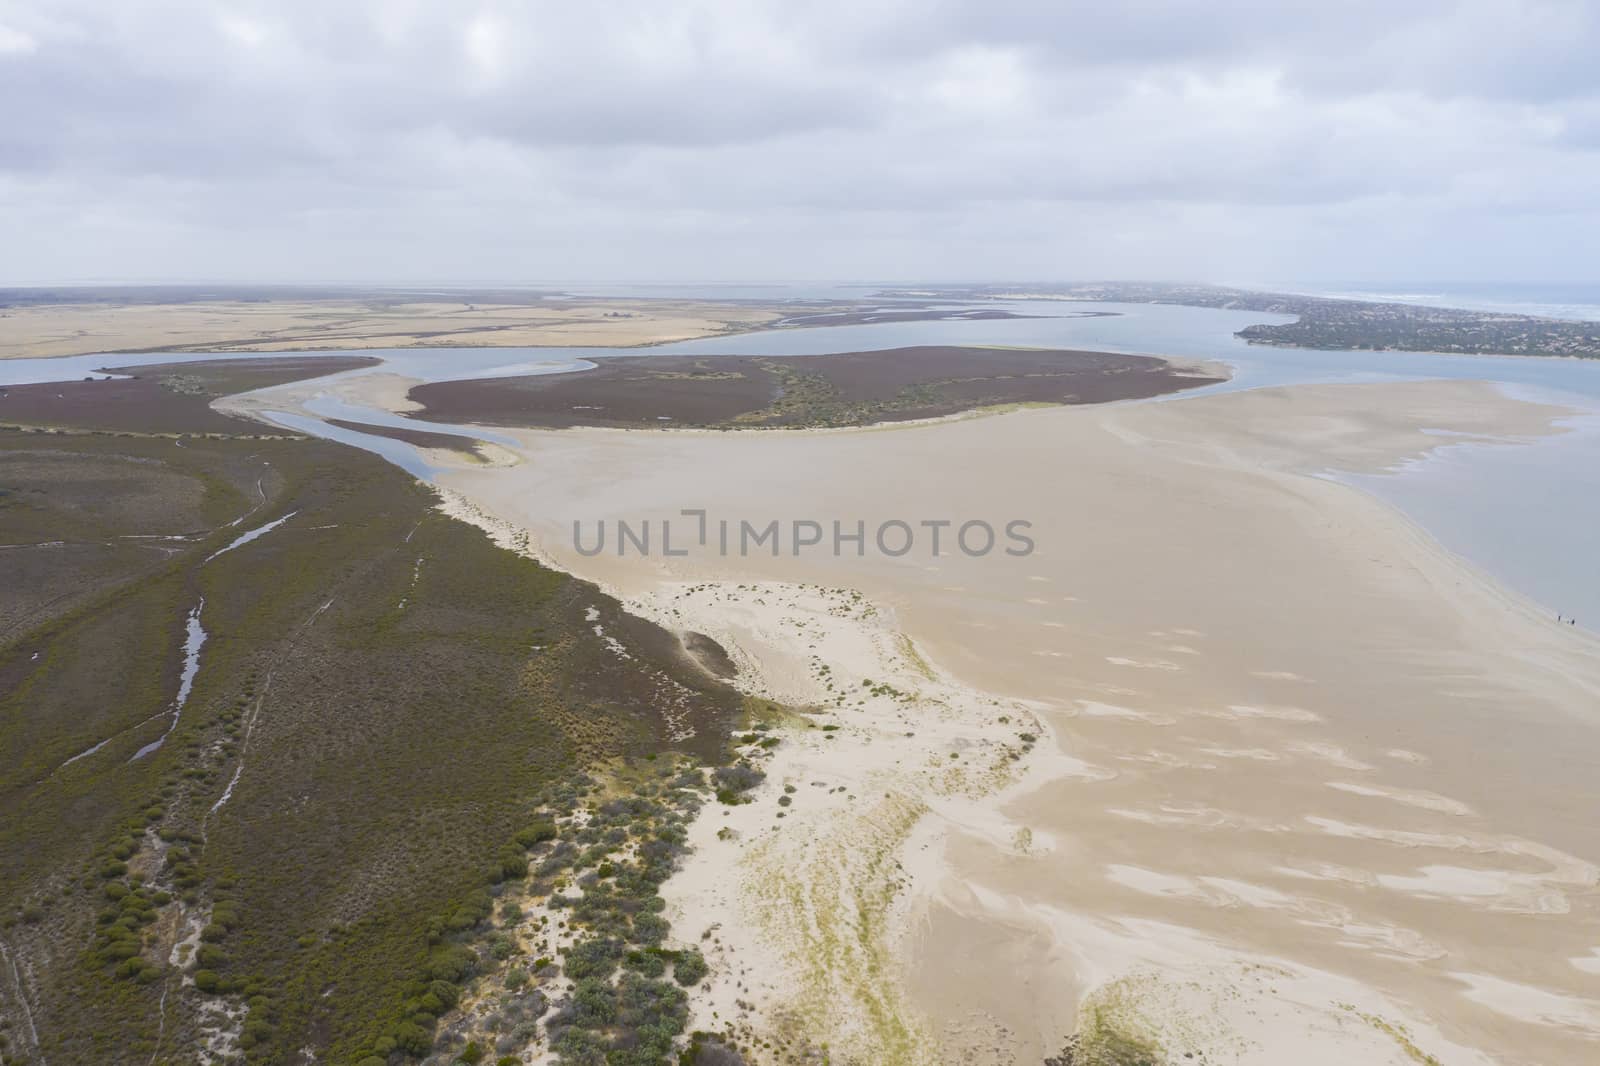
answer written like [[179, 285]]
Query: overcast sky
[[1251, 140]]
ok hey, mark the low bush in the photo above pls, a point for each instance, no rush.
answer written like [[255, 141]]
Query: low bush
[[690, 968], [537, 833]]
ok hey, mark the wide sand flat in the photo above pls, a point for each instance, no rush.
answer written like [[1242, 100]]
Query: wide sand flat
[[338, 324], [1307, 788]]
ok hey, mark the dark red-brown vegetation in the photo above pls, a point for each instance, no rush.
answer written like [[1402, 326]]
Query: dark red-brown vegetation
[[855, 388], [162, 397]]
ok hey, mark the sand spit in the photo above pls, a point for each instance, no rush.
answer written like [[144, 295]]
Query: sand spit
[[1237, 764], [383, 390]]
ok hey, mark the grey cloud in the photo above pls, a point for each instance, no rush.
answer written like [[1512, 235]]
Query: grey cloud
[[881, 132]]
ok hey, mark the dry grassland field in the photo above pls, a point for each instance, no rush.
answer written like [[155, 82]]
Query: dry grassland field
[[269, 323]]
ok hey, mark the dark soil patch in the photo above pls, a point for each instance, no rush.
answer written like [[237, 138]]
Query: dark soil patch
[[710, 655]]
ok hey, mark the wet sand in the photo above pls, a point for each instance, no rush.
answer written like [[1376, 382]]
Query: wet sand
[[891, 385], [1239, 763]]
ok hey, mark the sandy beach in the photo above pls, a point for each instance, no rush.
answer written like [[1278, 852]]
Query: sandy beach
[[1238, 763]]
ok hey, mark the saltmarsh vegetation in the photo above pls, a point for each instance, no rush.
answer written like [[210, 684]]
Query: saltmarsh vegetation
[[376, 794], [574, 957], [593, 917]]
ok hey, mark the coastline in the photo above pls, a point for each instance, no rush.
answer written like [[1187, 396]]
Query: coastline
[[1090, 829], [1098, 739]]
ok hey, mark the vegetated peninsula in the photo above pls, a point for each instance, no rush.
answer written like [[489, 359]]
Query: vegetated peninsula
[[293, 763], [1329, 323]]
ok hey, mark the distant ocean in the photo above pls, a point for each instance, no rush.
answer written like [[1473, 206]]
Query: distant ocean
[[1574, 300]]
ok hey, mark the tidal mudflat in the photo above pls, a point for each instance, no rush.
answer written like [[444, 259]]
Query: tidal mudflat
[[1237, 763]]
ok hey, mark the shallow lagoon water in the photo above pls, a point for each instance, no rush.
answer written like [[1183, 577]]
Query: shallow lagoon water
[[246, 538], [1520, 512], [194, 640]]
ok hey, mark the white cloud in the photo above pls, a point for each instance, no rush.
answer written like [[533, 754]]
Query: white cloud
[[15, 42], [243, 30], [684, 138]]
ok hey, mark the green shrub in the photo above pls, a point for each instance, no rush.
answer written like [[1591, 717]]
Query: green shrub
[[593, 958], [450, 962], [651, 1006], [647, 963], [740, 777], [580, 1047], [690, 969], [413, 1039], [513, 864], [650, 928], [594, 1003], [445, 992], [255, 1032], [537, 833]]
